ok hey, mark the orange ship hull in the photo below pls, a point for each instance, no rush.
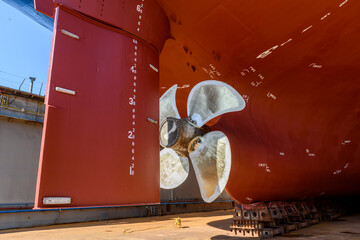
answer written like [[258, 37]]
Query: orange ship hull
[[296, 65]]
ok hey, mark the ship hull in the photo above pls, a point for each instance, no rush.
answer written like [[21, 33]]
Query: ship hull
[[295, 64]]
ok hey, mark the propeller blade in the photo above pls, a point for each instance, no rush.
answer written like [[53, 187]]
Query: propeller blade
[[210, 99], [168, 104], [174, 169], [211, 160]]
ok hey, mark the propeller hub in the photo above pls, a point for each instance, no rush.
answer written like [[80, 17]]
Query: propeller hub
[[178, 133]]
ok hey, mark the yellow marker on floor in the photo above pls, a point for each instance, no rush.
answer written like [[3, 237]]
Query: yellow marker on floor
[[178, 222]]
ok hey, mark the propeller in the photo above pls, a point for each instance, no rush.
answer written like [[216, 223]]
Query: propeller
[[181, 139]]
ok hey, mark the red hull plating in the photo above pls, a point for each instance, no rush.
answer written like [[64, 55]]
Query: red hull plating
[[295, 63]]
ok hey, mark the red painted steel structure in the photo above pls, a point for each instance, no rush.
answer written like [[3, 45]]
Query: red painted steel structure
[[296, 63], [98, 147]]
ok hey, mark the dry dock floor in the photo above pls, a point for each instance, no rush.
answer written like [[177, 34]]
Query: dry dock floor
[[205, 225]]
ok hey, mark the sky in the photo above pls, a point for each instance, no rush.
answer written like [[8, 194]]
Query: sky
[[24, 50]]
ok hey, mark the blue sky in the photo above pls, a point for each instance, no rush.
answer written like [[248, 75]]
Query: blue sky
[[24, 50]]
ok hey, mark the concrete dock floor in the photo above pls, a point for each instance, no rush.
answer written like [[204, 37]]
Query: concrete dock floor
[[205, 225]]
